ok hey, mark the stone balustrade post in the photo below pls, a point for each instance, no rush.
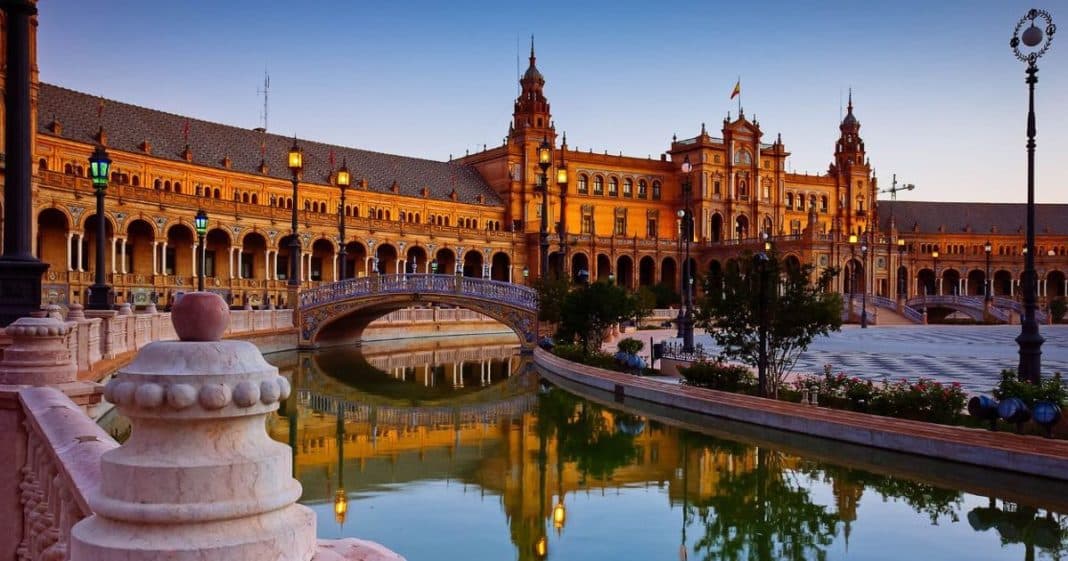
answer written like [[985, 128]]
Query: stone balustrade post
[[199, 478], [38, 354]]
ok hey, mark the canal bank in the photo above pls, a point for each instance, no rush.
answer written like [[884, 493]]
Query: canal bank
[[1023, 454]]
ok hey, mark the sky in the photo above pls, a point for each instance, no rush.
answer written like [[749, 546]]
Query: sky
[[941, 99]]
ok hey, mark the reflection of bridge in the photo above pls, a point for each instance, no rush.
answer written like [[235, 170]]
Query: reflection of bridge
[[341, 310], [471, 355], [387, 415], [975, 307]]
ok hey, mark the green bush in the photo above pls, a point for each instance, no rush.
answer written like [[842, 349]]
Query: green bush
[[575, 353], [924, 400], [1058, 308], [630, 346], [1050, 389], [720, 376]]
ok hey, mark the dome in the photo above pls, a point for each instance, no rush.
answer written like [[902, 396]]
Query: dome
[[532, 73]]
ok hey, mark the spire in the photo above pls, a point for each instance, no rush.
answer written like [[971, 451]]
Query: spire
[[532, 49], [849, 105]]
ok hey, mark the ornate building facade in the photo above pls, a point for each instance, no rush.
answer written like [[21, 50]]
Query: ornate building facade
[[611, 217]]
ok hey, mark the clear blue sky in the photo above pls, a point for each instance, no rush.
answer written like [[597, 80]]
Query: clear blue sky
[[941, 100]]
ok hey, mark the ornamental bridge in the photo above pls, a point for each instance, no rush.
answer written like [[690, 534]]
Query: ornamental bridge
[[340, 311]]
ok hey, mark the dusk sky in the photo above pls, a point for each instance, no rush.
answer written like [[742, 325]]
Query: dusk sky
[[940, 97]]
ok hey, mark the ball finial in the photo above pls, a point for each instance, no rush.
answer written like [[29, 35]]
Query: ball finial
[[200, 316]]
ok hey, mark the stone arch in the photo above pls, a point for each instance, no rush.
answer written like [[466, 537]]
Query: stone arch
[[604, 267], [52, 227], [925, 282], [88, 252], [976, 282], [791, 263], [416, 261], [140, 234], [217, 244], [741, 226], [445, 259], [855, 277], [384, 259], [180, 239], [1055, 284], [472, 264], [580, 266], [500, 269], [322, 260], [326, 317], [950, 281], [669, 274], [716, 224], [647, 271], [1002, 283], [355, 259], [625, 271]]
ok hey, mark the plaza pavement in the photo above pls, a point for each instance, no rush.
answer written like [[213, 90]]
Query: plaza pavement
[[971, 355]]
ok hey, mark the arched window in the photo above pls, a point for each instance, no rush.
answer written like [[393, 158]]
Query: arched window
[[583, 184], [157, 184], [136, 180], [255, 200], [643, 189], [860, 204], [167, 186], [613, 186], [68, 169], [307, 205], [743, 189], [42, 164], [198, 190], [823, 203], [628, 187], [598, 185], [244, 198], [177, 187], [789, 201]]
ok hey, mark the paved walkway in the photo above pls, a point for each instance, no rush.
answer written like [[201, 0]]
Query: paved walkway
[[970, 355]]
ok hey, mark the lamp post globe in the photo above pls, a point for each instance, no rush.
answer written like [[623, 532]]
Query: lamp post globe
[[100, 294], [902, 280], [1035, 41], [545, 159], [295, 161], [864, 288], [200, 223]]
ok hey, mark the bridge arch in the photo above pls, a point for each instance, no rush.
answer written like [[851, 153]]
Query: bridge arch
[[346, 307]]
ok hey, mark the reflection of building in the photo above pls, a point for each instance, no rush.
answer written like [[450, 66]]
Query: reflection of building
[[478, 215]]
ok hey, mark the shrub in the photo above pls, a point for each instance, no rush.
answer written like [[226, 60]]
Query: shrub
[[630, 346], [1058, 308], [719, 376], [1050, 389], [575, 353], [924, 400]]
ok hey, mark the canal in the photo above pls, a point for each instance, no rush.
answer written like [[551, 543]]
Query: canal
[[466, 452]]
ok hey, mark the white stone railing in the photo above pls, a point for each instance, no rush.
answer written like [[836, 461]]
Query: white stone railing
[[108, 335], [61, 470], [431, 315]]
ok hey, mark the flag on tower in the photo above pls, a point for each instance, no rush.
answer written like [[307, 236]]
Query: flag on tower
[[737, 91]]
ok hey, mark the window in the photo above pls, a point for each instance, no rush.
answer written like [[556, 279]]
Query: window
[[583, 184], [598, 185], [587, 224], [642, 189], [800, 202], [717, 188], [765, 190], [743, 189], [795, 227], [789, 201], [628, 187], [613, 187], [823, 203], [316, 268], [656, 190], [812, 202], [170, 261], [650, 228], [621, 226], [742, 158]]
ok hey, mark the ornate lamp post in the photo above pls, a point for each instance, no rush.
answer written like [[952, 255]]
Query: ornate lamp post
[[988, 288], [1029, 340], [296, 165], [852, 266], [760, 261], [934, 257], [434, 267], [100, 295], [864, 291], [343, 180], [561, 182], [685, 319], [545, 159], [902, 281], [200, 222]]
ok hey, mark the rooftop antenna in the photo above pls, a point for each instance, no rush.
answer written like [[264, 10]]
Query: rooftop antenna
[[265, 91]]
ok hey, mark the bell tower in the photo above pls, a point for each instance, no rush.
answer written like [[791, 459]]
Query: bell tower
[[855, 186], [531, 115]]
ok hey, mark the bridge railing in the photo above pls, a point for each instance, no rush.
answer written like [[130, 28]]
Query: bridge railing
[[913, 314], [506, 292]]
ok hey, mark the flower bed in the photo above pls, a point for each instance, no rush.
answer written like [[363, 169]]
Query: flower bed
[[922, 400]]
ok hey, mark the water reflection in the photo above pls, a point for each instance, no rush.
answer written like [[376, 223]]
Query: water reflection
[[515, 472]]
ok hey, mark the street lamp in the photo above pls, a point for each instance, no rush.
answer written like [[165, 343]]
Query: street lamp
[[988, 288], [760, 261], [545, 159], [934, 256], [343, 181], [902, 281], [864, 292], [1029, 340], [296, 164], [200, 222], [433, 266], [852, 267], [685, 319], [100, 295]]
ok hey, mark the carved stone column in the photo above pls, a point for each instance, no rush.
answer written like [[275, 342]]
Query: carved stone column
[[199, 477]]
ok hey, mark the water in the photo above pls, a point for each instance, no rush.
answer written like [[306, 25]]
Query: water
[[499, 468]]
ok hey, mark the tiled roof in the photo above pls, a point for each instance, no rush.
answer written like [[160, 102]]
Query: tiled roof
[[127, 126], [1007, 218]]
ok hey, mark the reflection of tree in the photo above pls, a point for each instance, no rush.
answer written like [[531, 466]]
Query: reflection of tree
[[935, 502], [1024, 525], [585, 434], [764, 513]]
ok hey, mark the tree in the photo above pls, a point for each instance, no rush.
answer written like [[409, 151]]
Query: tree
[[797, 311], [644, 302], [588, 312], [551, 294]]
